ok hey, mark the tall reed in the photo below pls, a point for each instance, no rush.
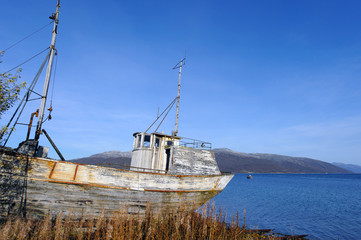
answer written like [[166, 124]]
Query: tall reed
[[207, 223]]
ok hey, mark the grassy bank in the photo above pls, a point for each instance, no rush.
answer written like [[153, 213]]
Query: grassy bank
[[207, 224]]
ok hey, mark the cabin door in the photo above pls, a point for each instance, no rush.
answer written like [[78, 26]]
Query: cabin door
[[167, 154]]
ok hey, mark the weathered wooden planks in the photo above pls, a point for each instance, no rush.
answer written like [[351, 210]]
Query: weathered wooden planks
[[191, 161], [37, 186], [83, 199], [13, 183], [67, 172]]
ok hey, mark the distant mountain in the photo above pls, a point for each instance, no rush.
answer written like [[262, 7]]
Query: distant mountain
[[351, 167], [232, 161], [108, 159]]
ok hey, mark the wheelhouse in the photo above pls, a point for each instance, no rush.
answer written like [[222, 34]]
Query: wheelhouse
[[153, 151]]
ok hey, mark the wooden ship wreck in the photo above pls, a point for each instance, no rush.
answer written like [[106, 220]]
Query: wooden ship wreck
[[166, 171]]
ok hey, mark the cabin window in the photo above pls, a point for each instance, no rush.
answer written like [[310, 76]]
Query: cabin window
[[139, 140], [169, 143], [157, 141], [146, 141]]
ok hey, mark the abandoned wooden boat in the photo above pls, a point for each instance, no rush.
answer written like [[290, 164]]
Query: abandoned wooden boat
[[166, 171]]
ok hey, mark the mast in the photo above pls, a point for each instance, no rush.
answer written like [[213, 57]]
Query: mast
[[48, 72], [178, 65]]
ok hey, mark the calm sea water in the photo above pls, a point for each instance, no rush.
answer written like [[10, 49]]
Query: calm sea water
[[324, 206]]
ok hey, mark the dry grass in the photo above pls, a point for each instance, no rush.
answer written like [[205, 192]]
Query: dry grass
[[206, 224]]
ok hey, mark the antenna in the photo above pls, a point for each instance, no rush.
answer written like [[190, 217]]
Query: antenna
[[179, 65]]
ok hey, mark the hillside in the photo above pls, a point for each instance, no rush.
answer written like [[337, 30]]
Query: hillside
[[108, 159], [351, 167], [232, 161]]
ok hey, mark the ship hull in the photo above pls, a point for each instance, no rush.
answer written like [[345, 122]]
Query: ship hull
[[37, 186]]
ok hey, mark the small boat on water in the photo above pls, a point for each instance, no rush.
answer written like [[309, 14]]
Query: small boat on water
[[166, 171], [249, 176]]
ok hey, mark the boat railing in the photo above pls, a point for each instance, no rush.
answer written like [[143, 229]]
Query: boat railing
[[194, 143], [131, 168]]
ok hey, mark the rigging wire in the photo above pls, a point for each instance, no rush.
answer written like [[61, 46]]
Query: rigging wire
[[170, 107], [54, 77], [26, 99], [165, 115], [27, 60], [52, 90], [31, 34]]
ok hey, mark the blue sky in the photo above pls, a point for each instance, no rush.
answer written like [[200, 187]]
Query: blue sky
[[277, 77]]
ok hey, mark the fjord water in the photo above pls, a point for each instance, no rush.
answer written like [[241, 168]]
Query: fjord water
[[324, 206]]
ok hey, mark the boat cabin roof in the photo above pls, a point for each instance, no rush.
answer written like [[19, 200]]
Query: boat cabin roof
[[158, 135]]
